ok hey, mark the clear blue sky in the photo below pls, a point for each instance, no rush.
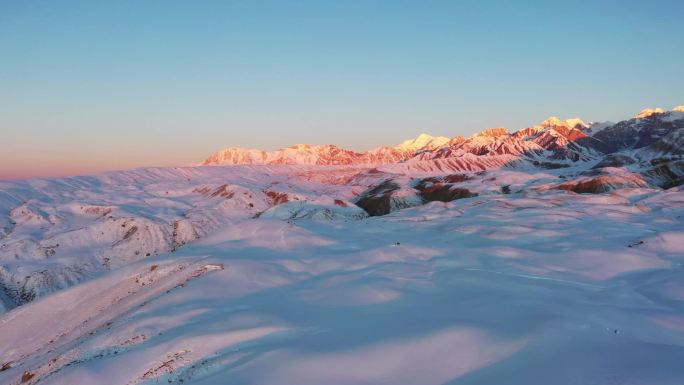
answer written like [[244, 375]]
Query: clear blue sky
[[92, 85]]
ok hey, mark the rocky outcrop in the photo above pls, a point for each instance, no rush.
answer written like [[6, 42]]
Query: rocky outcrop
[[391, 195], [602, 183], [444, 193], [615, 160], [444, 189], [387, 197], [666, 174]]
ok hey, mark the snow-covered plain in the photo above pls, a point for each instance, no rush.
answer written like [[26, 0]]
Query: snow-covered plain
[[534, 286]]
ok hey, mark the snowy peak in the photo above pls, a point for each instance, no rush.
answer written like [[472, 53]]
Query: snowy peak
[[238, 155], [553, 140], [554, 121], [645, 113], [424, 142], [493, 132], [328, 154], [298, 154]]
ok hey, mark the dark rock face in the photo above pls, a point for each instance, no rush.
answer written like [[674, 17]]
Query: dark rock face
[[550, 165], [632, 134], [377, 200], [445, 193], [666, 149], [443, 189], [568, 152], [615, 160], [666, 175], [383, 198]]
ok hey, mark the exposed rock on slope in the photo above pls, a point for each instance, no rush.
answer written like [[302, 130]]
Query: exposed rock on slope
[[399, 193], [388, 196], [603, 183], [444, 189], [635, 133], [68, 230], [666, 175]]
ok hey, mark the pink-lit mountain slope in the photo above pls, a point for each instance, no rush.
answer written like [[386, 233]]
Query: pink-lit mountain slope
[[554, 143], [328, 154]]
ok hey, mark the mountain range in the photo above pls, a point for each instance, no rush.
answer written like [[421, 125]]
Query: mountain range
[[554, 142], [557, 243]]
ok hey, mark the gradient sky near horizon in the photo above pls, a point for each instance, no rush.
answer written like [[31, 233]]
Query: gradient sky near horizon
[[87, 86]]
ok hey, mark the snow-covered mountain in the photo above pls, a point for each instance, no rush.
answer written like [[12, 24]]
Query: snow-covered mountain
[[557, 245], [552, 143], [297, 154], [423, 142], [327, 154], [78, 217]]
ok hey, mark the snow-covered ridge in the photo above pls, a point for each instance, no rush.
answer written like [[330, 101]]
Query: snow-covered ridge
[[423, 142], [327, 154], [86, 225], [523, 267], [552, 140], [57, 232], [498, 258], [645, 113]]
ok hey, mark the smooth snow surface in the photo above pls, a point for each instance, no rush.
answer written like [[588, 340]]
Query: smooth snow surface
[[272, 275]]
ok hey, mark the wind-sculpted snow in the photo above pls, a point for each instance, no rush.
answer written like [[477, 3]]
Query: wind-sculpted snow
[[536, 285], [532, 257], [59, 232], [329, 209]]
